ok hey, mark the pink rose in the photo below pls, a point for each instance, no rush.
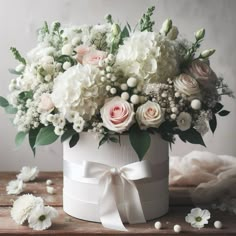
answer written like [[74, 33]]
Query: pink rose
[[202, 73], [117, 114], [81, 51], [93, 57], [46, 103]]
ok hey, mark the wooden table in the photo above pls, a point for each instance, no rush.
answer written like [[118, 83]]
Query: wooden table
[[180, 205]]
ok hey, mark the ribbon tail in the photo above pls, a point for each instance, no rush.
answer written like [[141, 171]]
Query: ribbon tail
[[109, 214], [133, 206]]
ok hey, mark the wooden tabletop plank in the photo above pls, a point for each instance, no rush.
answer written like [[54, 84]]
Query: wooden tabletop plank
[[66, 225]]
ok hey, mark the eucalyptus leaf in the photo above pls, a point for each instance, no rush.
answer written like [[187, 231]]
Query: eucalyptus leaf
[[14, 72], [20, 137], [46, 136], [140, 140], [102, 141], [67, 134], [10, 109], [3, 102], [213, 123], [224, 113], [74, 140], [32, 138]]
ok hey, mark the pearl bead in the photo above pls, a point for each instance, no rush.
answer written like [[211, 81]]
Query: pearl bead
[[49, 182], [158, 225], [113, 90], [196, 104], [177, 228], [124, 87], [218, 224], [125, 96], [132, 82], [134, 99]]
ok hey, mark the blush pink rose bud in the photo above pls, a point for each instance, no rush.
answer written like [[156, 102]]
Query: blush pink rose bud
[[149, 114], [46, 103], [93, 57], [117, 114], [203, 73], [81, 50]]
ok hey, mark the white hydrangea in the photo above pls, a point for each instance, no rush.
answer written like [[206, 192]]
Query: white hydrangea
[[78, 90], [146, 55]]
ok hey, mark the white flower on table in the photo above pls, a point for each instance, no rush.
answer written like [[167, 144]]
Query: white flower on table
[[41, 217], [184, 121], [198, 217], [23, 206], [28, 173], [15, 187]]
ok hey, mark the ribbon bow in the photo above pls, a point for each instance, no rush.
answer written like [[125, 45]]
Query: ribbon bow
[[108, 210]]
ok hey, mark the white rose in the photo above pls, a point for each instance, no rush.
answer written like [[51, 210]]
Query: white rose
[[117, 114], [149, 114], [187, 85]]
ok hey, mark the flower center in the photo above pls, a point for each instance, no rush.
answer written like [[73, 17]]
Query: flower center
[[198, 218], [42, 217]]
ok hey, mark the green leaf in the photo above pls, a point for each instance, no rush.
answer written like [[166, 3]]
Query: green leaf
[[20, 137], [74, 140], [14, 72], [32, 138], [224, 113], [64, 58], [67, 134], [114, 139], [46, 136], [24, 96], [102, 141], [3, 102], [213, 123], [18, 56], [217, 107], [140, 140], [192, 136], [10, 109]]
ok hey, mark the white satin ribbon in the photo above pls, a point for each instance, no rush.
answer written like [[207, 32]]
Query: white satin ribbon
[[108, 209]]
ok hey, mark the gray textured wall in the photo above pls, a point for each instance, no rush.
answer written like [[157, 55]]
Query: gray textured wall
[[20, 19]]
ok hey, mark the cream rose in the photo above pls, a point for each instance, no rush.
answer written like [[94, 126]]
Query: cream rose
[[93, 57], [149, 114], [46, 103], [202, 73], [81, 50], [117, 114], [187, 85]]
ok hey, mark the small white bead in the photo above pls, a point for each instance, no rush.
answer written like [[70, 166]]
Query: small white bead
[[108, 75], [177, 228], [108, 87], [103, 78], [125, 96], [196, 104], [48, 182], [134, 99], [132, 82], [66, 65], [218, 224], [50, 190], [113, 90], [124, 87], [158, 225]]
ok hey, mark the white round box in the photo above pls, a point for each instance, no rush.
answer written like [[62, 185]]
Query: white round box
[[81, 196]]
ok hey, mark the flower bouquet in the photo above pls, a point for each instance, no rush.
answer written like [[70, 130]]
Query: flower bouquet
[[134, 89]]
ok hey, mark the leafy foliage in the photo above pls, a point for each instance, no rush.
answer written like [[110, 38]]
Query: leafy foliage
[[74, 140], [145, 22], [67, 134], [140, 140], [32, 138], [10, 109], [192, 136], [14, 72], [213, 123], [17, 55], [3, 102], [20, 137], [224, 113]]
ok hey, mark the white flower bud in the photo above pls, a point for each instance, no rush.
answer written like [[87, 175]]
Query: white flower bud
[[218, 224], [158, 225], [177, 228], [108, 75], [134, 99], [75, 41], [108, 87], [132, 82], [111, 57], [173, 33], [108, 69], [113, 78], [20, 68], [103, 78], [125, 96], [124, 87], [49, 182], [113, 90], [47, 59], [207, 53], [166, 26], [200, 34], [115, 29], [196, 104], [48, 78], [66, 65], [101, 63], [173, 116], [50, 190], [67, 49]]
